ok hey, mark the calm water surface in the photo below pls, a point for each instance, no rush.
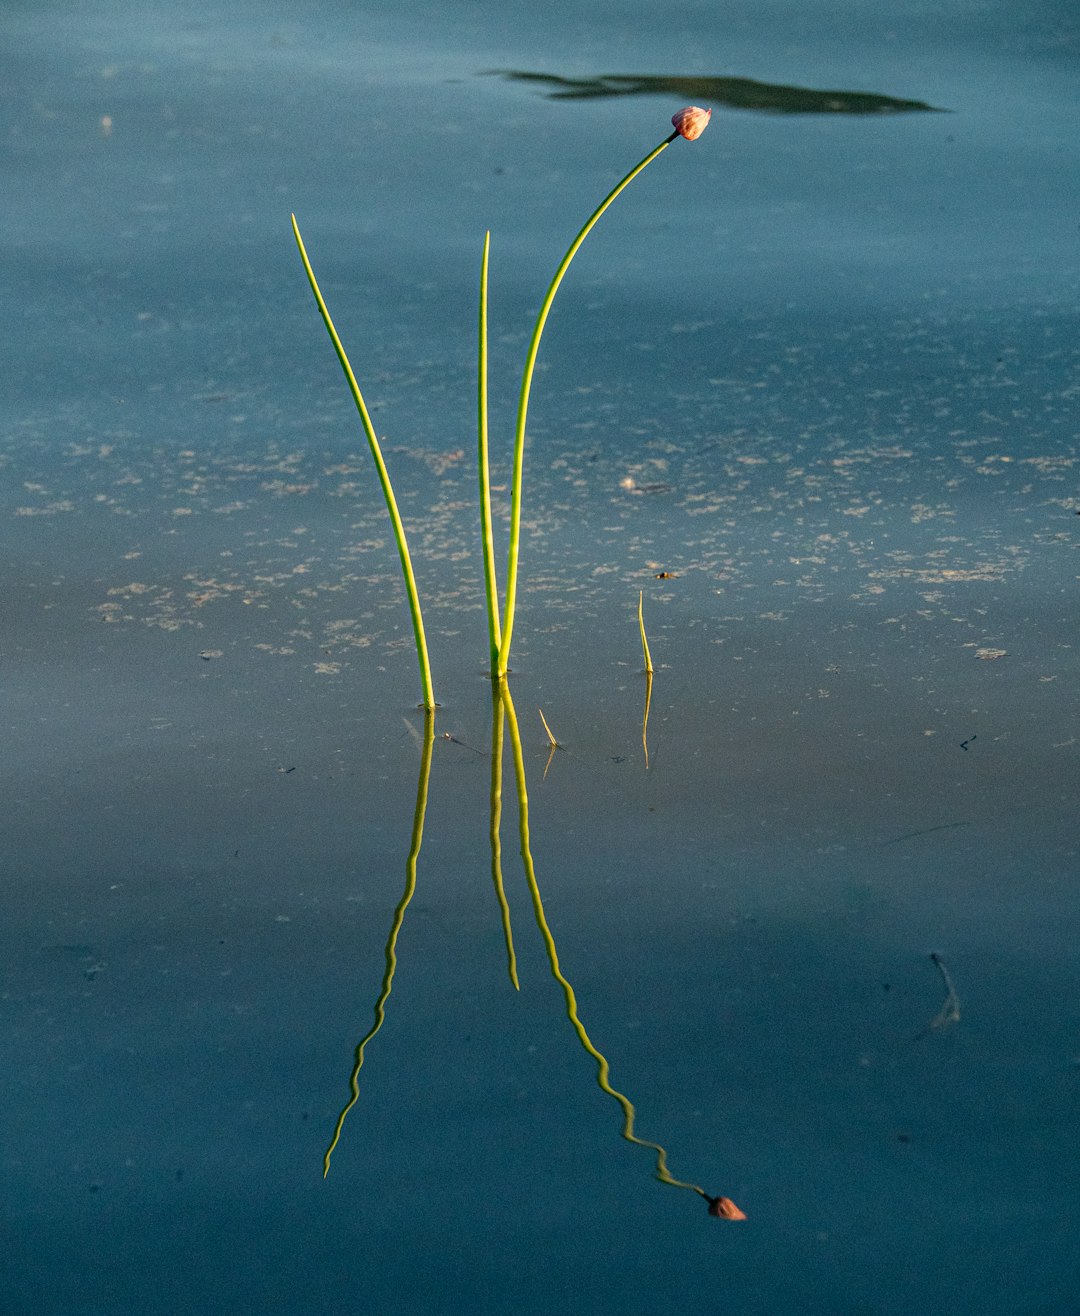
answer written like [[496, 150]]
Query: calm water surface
[[812, 388]]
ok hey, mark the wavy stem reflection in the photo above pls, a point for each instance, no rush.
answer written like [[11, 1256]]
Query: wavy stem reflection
[[395, 929], [723, 1207]]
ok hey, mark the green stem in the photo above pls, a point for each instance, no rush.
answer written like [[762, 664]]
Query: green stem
[[384, 480], [523, 405], [491, 588]]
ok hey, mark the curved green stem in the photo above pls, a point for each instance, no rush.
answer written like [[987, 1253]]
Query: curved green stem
[[384, 479], [523, 405], [491, 590]]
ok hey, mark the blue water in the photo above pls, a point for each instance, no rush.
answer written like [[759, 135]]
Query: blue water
[[811, 387]]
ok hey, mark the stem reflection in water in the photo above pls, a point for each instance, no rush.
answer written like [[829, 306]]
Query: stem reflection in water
[[395, 928], [503, 715], [645, 718], [497, 720], [723, 1207]]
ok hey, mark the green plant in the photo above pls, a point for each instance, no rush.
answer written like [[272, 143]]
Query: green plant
[[491, 588], [428, 700], [689, 123]]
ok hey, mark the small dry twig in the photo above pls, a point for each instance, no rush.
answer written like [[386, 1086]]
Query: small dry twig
[[551, 739], [949, 1013]]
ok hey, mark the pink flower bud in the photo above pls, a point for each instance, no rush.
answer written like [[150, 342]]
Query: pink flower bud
[[691, 122]]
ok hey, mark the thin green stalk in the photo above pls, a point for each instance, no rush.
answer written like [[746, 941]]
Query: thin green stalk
[[641, 627], [384, 480], [491, 588], [523, 406]]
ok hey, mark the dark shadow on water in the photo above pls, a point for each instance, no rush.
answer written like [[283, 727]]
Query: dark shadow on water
[[735, 93]]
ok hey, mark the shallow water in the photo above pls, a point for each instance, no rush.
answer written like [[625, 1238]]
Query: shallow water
[[811, 387]]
